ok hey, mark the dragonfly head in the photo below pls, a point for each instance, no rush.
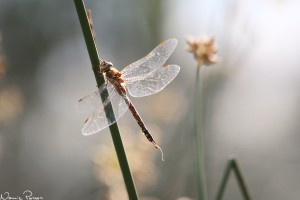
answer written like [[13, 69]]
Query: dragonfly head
[[105, 66]]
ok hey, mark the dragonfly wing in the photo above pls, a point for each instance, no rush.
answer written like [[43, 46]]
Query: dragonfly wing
[[155, 59], [100, 120], [152, 82], [91, 102]]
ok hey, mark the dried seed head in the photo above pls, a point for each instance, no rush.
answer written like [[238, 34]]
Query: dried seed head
[[204, 50]]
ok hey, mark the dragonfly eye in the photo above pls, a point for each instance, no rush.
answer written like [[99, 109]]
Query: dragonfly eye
[[104, 63], [109, 64], [104, 66]]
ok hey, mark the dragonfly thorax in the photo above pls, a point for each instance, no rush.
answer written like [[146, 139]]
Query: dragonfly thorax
[[113, 74], [114, 77]]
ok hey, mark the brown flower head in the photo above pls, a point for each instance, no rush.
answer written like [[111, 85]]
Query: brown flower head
[[203, 49]]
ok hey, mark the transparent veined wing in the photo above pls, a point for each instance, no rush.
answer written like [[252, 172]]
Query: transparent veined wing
[[151, 82], [99, 120], [155, 59], [91, 102]]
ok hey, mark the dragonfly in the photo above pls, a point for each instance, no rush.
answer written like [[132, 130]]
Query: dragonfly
[[144, 77]]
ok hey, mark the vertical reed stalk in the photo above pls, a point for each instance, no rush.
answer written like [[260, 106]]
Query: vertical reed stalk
[[95, 61], [199, 140]]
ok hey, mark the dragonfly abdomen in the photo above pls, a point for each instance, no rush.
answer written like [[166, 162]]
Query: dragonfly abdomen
[[139, 120]]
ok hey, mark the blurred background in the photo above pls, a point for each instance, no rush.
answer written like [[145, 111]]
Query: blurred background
[[251, 99]]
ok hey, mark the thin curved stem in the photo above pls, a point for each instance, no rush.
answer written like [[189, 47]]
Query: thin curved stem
[[116, 137]]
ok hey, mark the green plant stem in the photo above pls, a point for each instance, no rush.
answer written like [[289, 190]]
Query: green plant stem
[[199, 141], [224, 180], [116, 137], [232, 164], [241, 180]]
